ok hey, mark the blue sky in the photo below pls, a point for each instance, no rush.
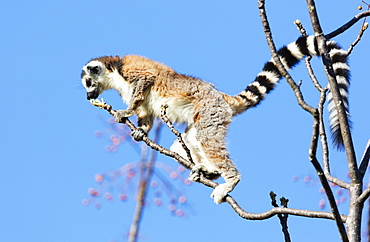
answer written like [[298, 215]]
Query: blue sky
[[49, 153]]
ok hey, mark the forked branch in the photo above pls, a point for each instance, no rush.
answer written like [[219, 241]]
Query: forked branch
[[282, 217]]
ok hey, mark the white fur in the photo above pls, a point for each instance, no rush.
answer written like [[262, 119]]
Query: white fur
[[341, 65], [93, 63], [197, 153], [261, 89], [179, 111], [270, 75], [342, 80], [282, 61], [295, 50], [115, 81], [252, 97], [341, 51], [311, 46]]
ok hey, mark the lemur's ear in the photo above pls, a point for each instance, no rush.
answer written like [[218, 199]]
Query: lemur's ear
[[94, 69]]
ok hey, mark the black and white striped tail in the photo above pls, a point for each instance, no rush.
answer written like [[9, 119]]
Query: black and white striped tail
[[290, 55]]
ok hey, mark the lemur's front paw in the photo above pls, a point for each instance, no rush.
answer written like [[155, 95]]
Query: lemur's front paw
[[122, 114], [220, 192], [201, 169], [196, 171], [138, 134]]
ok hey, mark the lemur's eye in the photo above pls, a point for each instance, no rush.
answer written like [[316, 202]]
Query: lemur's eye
[[94, 69], [88, 82]]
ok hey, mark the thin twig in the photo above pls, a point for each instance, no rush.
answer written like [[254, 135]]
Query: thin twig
[[244, 214], [283, 218], [300, 27], [324, 144], [175, 132], [359, 36], [324, 181], [308, 58], [365, 195], [312, 75]]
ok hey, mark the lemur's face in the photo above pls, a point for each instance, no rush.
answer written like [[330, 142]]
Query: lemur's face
[[92, 77]]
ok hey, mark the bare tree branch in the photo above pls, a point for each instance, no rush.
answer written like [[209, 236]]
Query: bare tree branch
[[354, 215], [314, 113], [365, 159], [365, 195], [343, 120], [322, 133], [146, 172], [320, 109], [348, 24], [324, 145], [324, 181], [283, 218], [300, 27], [175, 132], [246, 215], [359, 36]]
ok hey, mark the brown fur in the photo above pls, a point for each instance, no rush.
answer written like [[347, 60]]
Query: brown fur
[[191, 100]]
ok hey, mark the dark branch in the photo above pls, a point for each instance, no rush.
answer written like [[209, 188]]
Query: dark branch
[[365, 159], [283, 218], [348, 24], [324, 181]]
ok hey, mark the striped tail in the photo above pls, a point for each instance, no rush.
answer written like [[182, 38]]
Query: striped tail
[[290, 55]]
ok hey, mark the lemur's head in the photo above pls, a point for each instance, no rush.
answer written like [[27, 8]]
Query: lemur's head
[[92, 77]]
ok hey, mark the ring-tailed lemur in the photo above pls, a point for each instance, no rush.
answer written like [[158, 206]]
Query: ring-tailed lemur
[[145, 85]]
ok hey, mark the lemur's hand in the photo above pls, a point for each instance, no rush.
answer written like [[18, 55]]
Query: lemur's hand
[[98, 103], [122, 114], [138, 134]]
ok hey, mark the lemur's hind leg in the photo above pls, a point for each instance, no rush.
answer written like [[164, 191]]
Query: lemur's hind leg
[[206, 140], [211, 126], [200, 167], [215, 151]]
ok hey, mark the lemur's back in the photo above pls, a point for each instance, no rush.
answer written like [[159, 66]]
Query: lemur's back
[[185, 95], [167, 82]]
